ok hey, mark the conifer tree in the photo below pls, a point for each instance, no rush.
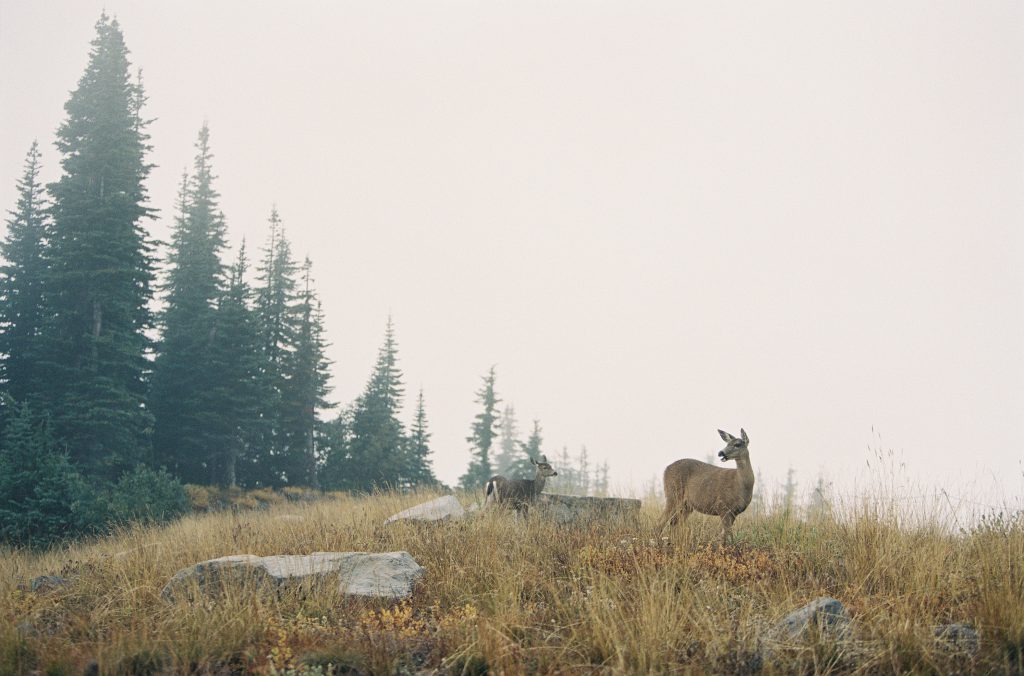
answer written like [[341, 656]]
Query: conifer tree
[[509, 445], [277, 325], [533, 450], [482, 437], [305, 389], [601, 482], [234, 370], [185, 435], [420, 471], [21, 284], [100, 268], [42, 496], [376, 443]]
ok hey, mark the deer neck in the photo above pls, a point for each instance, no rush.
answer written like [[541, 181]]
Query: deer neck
[[538, 483], [745, 471]]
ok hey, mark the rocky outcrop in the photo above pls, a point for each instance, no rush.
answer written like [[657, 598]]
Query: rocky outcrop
[[388, 575], [444, 508], [583, 510]]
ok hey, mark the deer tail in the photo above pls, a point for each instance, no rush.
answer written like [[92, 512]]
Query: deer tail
[[490, 493]]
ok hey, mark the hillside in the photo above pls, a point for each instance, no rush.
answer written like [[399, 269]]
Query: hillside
[[505, 596]]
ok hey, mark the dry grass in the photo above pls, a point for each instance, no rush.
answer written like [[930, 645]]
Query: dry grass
[[505, 596]]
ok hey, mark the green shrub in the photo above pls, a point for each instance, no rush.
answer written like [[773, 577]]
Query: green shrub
[[149, 496]]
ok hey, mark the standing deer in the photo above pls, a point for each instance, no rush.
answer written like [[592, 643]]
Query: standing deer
[[519, 493], [692, 485]]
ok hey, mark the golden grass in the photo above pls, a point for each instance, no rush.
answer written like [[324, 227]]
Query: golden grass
[[508, 596]]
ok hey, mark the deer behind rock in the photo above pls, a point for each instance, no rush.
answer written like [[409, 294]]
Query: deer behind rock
[[695, 486], [519, 493]]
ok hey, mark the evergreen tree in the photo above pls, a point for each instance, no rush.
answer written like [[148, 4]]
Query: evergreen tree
[[376, 445], [789, 494], [509, 446], [420, 471], [277, 323], [523, 468], [305, 389], [482, 437], [335, 443], [100, 268], [42, 496], [234, 370], [21, 284], [583, 471], [601, 483], [186, 435]]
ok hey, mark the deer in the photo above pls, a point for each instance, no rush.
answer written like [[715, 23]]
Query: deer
[[519, 493], [692, 485]]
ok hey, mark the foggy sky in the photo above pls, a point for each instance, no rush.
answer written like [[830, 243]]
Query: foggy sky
[[656, 219]]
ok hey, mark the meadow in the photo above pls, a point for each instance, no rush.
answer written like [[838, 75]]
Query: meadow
[[507, 595]]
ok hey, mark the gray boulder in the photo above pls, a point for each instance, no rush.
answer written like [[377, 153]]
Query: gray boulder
[[583, 510], [388, 575], [824, 617], [962, 638], [444, 508]]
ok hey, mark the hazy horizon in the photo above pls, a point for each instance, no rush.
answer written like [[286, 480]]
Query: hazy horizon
[[655, 219]]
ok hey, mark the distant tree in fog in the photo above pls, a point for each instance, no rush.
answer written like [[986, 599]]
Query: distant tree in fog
[[482, 436]]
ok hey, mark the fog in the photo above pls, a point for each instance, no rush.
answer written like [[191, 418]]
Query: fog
[[656, 219]]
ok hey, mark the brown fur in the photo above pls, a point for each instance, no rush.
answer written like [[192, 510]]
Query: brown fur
[[695, 486], [519, 493]]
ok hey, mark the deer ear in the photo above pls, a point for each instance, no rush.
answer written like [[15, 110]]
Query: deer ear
[[725, 436], [743, 435]]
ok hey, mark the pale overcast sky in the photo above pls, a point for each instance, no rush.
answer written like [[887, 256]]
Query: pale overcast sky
[[656, 218]]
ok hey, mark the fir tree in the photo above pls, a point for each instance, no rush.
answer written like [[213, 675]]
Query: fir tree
[[277, 324], [42, 496], [21, 284], [532, 450], [509, 445], [482, 437], [305, 389], [376, 443], [420, 471], [601, 482], [234, 370], [185, 435], [100, 268]]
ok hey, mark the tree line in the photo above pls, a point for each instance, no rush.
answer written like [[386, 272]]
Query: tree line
[[130, 367]]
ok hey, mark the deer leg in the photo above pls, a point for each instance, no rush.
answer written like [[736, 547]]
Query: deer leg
[[727, 528]]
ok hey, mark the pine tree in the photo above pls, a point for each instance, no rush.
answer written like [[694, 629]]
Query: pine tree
[[234, 370], [335, 443], [305, 389], [509, 446], [21, 284], [100, 268], [375, 457], [185, 435], [42, 496], [601, 483], [482, 437], [420, 471]]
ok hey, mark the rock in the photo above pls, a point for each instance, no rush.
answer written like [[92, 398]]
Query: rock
[[961, 638], [46, 583], [388, 575], [582, 510], [823, 617], [446, 507]]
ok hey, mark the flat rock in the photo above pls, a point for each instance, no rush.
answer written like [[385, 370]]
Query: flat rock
[[446, 507], [387, 575], [824, 617], [45, 583], [582, 510]]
